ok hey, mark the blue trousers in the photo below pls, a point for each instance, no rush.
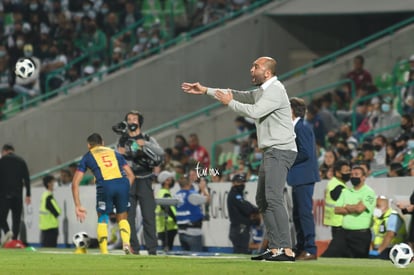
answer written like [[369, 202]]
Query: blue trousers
[[303, 217]]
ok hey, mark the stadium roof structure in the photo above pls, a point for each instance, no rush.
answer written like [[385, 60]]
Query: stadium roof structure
[[329, 7]]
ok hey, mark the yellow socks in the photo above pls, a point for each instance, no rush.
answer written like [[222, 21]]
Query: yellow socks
[[125, 231], [102, 231]]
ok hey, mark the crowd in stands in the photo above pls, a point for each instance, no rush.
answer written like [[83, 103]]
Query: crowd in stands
[[99, 34]]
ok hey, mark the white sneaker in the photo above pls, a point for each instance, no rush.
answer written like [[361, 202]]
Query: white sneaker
[[7, 237]]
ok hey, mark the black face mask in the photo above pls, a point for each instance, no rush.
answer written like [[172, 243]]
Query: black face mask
[[343, 152], [132, 127], [377, 148], [355, 181], [331, 140], [405, 127], [345, 177], [112, 219], [240, 188]]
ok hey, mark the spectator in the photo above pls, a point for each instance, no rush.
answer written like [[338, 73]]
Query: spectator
[[169, 163], [130, 15], [359, 75], [357, 206], [54, 61], [343, 150], [396, 169], [324, 104], [329, 159], [65, 177], [388, 117], [407, 124], [313, 118], [380, 146], [368, 153], [166, 215], [190, 216], [49, 213], [388, 229], [333, 191], [199, 153], [391, 153], [240, 215]]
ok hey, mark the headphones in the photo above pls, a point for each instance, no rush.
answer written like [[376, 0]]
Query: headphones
[[135, 112]]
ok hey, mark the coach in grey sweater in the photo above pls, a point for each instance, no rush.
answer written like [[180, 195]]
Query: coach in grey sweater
[[269, 106]]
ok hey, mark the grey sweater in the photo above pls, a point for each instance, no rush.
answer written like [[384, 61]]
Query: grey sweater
[[269, 106]]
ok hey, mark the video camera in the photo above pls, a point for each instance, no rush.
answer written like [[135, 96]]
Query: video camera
[[120, 128]]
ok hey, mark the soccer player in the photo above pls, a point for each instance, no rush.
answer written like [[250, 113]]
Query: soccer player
[[112, 189]]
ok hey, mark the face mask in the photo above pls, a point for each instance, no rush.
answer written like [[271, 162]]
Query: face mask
[[377, 148], [28, 54], [377, 212], [33, 6], [113, 219], [143, 40], [405, 127], [132, 127], [331, 140], [19, 43], [154, 41], [342, 151], [104, 10], [410, 144], [385, 107], [55, 185], [345, 177], [355, 181], [86, 7], [239, 188]]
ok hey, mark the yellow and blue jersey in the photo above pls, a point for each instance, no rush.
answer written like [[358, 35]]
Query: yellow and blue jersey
[[105, 164]]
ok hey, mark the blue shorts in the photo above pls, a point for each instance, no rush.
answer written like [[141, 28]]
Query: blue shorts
[[112, 193]]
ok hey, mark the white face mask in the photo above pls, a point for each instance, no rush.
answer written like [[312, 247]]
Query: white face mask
[[55, 185], [377, 212]]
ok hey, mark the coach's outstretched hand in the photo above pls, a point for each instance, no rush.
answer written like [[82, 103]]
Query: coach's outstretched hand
[[193, 88]]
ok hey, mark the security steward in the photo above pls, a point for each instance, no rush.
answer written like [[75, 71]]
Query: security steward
[[142, 153], [388, 229], [49, 213], [240, 214], [357, 206], [334, 188]]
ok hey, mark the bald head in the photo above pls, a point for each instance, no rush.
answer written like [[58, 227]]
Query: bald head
[[263, 69], [269, 64]]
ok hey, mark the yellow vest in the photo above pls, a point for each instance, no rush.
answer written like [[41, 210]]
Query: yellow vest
[[159, 212], [46, 219], [330, 218], [379, 229]]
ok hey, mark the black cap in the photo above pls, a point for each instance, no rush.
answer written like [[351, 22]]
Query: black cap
[[8, 147], [239, 178]]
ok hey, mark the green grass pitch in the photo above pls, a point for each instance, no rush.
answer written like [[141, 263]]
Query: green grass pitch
[[63, 261]]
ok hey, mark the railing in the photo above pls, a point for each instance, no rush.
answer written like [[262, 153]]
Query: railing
[[379, 130], [357, 45]]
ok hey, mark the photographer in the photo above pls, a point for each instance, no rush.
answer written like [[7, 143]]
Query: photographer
[[142, 153]]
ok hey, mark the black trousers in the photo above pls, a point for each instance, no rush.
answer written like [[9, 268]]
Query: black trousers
[[240, 237], [141, 192], [349, 244], [16, 206], [170, 239], [48, 238]]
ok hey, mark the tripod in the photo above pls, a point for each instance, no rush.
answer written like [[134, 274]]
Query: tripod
[[165, 203]]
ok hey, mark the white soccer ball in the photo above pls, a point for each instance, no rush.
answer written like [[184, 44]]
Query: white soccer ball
[[25, 68], [401, 255], [81, 240]]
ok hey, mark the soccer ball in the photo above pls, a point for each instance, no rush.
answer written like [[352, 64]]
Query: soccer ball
[[24, 68], [401, 255], [81, 240]]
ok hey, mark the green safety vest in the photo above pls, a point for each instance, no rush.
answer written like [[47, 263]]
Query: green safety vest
[[159, 212], [330, 218], [379, 229], [46, 219]]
